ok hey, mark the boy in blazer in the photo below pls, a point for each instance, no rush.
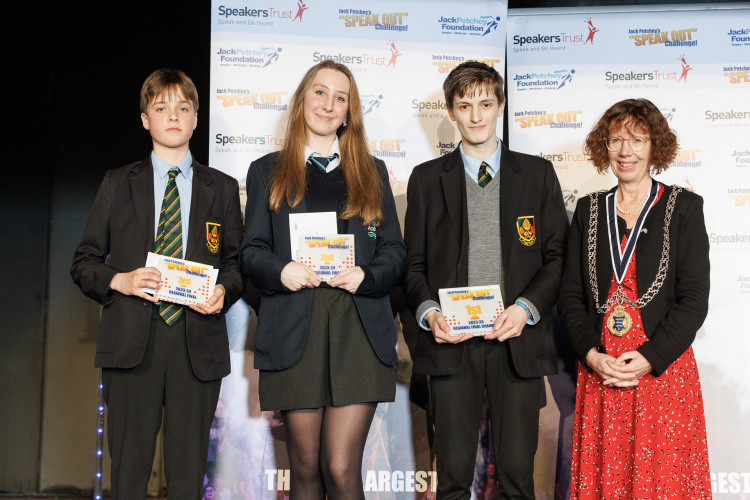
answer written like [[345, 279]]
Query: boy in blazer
[[161, 357], [484, 215]]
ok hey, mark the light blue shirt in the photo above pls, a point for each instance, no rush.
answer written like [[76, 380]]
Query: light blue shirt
[[471, 164], [184, 186]]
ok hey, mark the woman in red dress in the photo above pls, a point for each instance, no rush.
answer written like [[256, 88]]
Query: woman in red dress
[[634, 292]]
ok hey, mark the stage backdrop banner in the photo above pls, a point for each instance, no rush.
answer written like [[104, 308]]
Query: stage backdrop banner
[[565, 70], [400, 54]]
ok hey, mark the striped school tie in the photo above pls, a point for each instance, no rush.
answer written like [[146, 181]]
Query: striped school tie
[[484, 177], [169, 238], [323, 161]]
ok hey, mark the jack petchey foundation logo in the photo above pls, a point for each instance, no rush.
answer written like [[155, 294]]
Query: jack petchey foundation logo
[[260, 57], [569, 119], [379, 21], [370, 102], [469, 25], [741, 158], [739, 36], [546, 80], [668, 112], [542, 42]]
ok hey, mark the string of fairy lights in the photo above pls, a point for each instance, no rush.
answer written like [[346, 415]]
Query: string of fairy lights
[[99, 439]]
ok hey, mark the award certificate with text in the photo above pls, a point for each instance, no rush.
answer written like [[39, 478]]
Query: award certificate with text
[[471, 309], [326, 254], [182, 281]]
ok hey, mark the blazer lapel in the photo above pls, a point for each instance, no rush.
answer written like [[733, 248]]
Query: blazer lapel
[[454, 193], [142, 194], [604, 267], [511, 187], [649, 245], [200, 206]]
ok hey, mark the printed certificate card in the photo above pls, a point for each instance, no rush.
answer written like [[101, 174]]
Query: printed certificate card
[[471, 309], [182, 281], [309, 223], [327, 254]]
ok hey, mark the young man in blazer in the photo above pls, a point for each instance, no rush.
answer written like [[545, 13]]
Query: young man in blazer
[[161, 357], [484, 215]]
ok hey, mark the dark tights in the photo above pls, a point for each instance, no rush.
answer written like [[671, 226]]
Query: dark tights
[[325, 447]]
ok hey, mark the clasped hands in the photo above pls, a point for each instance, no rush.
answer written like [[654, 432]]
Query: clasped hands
[[135, 281], [296, 276], [509, 324], [623, 371]]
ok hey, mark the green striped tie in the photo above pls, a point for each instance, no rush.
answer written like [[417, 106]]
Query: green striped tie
[[169, 238], [484, 177], [323, 161]]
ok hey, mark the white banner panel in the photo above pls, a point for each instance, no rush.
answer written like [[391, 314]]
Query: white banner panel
[[400, 54], [565, 70]]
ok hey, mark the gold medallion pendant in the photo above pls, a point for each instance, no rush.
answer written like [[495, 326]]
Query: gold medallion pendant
[[619, 321]]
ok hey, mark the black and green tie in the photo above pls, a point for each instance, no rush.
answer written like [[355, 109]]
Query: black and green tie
[[169, 237], [484, 177], [323, 161]]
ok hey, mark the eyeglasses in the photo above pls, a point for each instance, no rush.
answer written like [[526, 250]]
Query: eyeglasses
[[636, 143]]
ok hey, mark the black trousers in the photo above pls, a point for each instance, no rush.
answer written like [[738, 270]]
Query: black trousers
[[514, 422], [162, 382]]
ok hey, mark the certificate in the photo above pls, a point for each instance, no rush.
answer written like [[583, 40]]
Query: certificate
[[471, 309], [326, 254], [309, 223], [182, 281]]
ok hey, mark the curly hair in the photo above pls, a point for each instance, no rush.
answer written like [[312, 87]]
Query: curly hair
[[634, 115]]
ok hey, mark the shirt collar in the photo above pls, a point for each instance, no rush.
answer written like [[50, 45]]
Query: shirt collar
[[471, 164], [162, 168], [334, 149]]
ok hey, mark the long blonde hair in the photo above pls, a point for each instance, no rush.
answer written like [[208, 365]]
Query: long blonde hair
[[289, 178]]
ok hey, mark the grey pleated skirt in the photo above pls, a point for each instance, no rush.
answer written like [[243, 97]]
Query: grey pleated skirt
[[338, 366]]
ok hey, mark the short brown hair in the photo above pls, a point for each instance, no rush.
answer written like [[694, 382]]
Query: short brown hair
[[169, 81], [470, 77], [633, 114]]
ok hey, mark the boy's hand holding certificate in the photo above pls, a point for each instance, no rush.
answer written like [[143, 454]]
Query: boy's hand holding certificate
[[471, 309], [182, 281], [326, 254]]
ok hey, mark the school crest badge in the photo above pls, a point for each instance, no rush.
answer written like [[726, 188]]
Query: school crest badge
[[526, 230], [212, 236]]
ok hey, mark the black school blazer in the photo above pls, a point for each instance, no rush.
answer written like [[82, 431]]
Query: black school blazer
[[284, 315], [675, 314]]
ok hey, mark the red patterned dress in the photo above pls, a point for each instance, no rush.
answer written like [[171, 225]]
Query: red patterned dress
[[642, 442]]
